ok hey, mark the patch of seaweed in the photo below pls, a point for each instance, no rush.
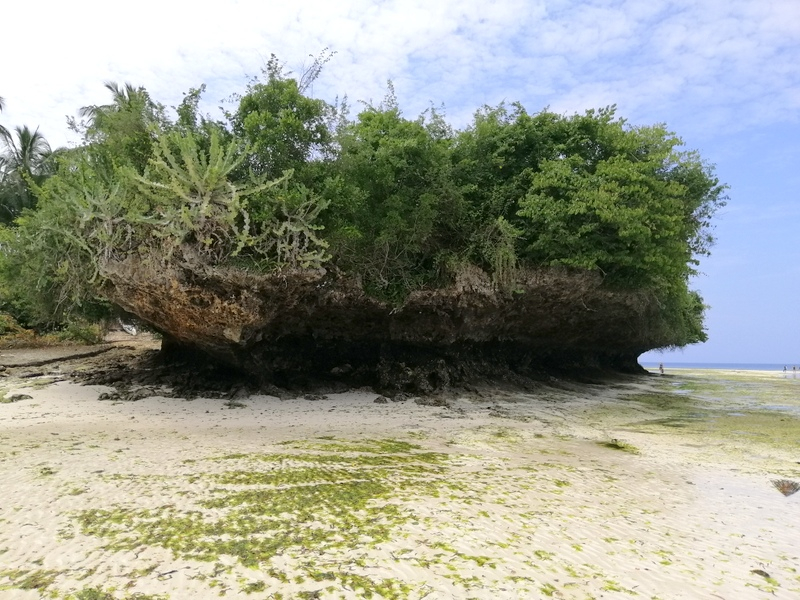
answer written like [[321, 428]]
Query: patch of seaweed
[[616, 444]]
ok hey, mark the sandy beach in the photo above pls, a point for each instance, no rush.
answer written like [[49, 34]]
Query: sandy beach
[[649, 487]]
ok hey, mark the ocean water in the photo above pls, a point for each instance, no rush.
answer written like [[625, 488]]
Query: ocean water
[[650, 366]]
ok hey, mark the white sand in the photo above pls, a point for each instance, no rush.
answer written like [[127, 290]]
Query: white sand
[[536, 508]]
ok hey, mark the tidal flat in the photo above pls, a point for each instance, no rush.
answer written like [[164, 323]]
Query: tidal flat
[[654, 487]]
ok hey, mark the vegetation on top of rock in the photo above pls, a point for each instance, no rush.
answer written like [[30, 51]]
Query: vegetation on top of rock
[[287, 183]]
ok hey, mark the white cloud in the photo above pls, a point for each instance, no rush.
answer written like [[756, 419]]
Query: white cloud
[[702, 64]]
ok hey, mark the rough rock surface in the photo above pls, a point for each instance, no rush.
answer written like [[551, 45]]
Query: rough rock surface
[[301, 326]]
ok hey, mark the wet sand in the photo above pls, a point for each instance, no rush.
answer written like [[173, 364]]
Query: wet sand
[[654, 487]]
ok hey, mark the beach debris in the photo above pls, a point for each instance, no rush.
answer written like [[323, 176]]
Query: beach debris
[[16, 398], [381, 400], [761, 572], [127, 328], [787, 487]]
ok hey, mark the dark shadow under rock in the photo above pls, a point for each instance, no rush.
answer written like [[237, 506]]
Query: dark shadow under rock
[[311, 329]]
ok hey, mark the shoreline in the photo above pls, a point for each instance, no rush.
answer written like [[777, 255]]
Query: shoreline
[[744, 367], [569, 491]]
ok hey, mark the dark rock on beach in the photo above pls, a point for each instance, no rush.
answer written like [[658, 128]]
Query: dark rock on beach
[[304, 330]]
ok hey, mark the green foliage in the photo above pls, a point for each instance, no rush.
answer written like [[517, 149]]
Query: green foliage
[[682, 313], [188, 198], [81, 332], [285, 226], [289, 183], [393, 206], [183, 207], [191, 200], [283, 127], [3, 131], [623, 210], [121, 133], [201, 126], [47, 266], [496, 158], [590, 192], [26, 160], [9, 325], [498, 249]]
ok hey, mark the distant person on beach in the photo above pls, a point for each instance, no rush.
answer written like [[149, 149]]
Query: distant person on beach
[[661, 368], [784, 369]]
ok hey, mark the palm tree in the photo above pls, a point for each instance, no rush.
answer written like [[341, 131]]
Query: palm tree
[[3, 131], [3, 139], [124, 99], [25, 163], [124, 126], [29, 154]]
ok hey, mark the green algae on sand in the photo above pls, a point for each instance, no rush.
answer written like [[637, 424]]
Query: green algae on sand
[[326, 495]]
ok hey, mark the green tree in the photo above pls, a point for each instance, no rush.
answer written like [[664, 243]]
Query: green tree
[[393, 207], [28, 153], [27, 160], [622, 200], [497, 156], [495, 160], [589, 191], [48, 270], [283, 128], [201, 127], [121, 133], [188, 198]]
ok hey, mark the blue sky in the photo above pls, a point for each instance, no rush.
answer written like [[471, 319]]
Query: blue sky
[[723, 74]]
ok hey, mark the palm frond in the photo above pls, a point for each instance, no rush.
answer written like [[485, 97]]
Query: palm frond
[[4, 135], [124, 97]]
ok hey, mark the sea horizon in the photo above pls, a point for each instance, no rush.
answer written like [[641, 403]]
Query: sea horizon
[[649, 364]]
